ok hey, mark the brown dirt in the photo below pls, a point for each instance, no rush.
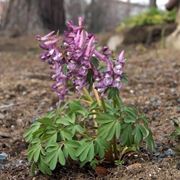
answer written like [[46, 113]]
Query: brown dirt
[[25, 93]]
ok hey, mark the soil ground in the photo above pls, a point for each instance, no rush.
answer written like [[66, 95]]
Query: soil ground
[[25, 93]]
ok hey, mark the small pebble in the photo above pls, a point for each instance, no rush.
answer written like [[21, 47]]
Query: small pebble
[[12, 126], [3, 157], [24, 93], [135, 168], [178, 100], [19, 122], [169, 152], [173, 90], [2, 116]]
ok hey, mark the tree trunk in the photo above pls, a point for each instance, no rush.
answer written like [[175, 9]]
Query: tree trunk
[[33, 16], [75, 9], [53, 14], [174, 39], [96, 14], [152, 4], [172, 4]]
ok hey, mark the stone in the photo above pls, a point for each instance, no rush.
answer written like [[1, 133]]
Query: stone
[[3, 157], [135, 168], [114, 42], [2, 116], [169, 152], [20, 122]]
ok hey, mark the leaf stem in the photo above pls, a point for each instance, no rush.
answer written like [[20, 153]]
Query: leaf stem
[[115, 148], [97, 96], [86, 93]]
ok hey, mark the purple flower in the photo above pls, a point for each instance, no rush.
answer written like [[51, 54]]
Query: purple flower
[[73, 60]]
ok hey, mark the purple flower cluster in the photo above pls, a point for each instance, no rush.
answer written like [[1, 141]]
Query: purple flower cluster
[[112, 75], [73, 60]]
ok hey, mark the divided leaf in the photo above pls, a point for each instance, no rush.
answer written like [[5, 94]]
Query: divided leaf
[[129, 115]]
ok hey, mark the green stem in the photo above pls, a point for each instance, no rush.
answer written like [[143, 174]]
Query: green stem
[[115, 148], [97, 96], [87, 95], [103, 104], [114, 102]]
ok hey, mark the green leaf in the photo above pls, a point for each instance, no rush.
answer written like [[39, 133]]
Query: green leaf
[[51, 114], [94, 163], [93, 106], [100, 147], [137, 135], [83, 163], [84, 154], [66, 120], [64, 68], [53, 161], [73, 118], [29, 133], [51, 151], [112, 131], [52, 138], [45, 121], [73, 143], [95, 62], [150, 142], [130, 115], [75, 106], [34, 152], [65, 134], [63, 120], [126, 135], [144, 131], [31, 153], [90, 155], [49, 156], [35, 141], [113, 92], [175, 134], [118, 130], [102, 130], [104, 118], [81, 148], [69, 150], [33, 169], [39, 132], [43, 167], [37, 153], [108, 130], [61, 157], [54, 154], [89, 77], [77, 128], [52, 147], [51, 131], [124, 78], [145, 120]]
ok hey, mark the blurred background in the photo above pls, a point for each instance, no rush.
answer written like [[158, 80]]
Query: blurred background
[[101, 15], [104, 17]]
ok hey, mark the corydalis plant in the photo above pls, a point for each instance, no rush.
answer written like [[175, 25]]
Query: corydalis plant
[[76, 61], [95, 125]]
